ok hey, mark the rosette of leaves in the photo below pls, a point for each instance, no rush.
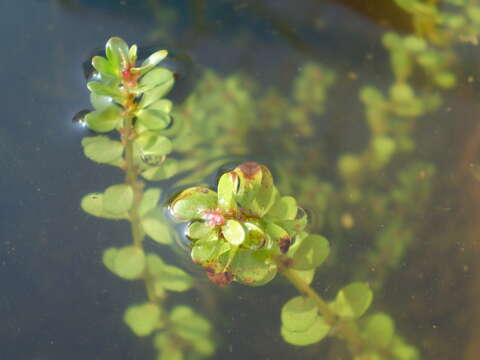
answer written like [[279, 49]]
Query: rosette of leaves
[[238, 232], [129, 98]]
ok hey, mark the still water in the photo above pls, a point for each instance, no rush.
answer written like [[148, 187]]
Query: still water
[[291, 84]]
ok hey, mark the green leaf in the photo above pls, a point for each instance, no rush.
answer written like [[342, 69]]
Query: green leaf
[[372, 96], [256, 238], [207, 251], [316, 332], [127, 262], [473, 13], [384, 148], [227, 187], [141, 70], [296, 226], [391, 40], [414, 43], [101, 149], [104, 67], [155, 58], [233, 232], [155, 263], [285, 208], [279, 235], [401, 92], [191, 203], [402, 351], [309, 251], [156, 227], [153, 119], [104, 120], [151, 144], [150, 62], [203, 346], [100, 102], [379, 330], [163, 105], [167, 276], [158, 83], [164, 171], [118, 199], [401, 63], [353, 300], [430, 59], [173, 278], [445, 79], [93, 204], [157, 77], [266, 193], [149, 201], [299, 313], [168, 347], [117, 53], [142, 319], [132, 54], [249, 269], [108, 258], [305, 275], [199, 230], [105, 90], [187, 324], [250, 179]]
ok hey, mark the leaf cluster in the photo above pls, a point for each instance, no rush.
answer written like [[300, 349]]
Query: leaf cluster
[[239, 232], [123, 91]]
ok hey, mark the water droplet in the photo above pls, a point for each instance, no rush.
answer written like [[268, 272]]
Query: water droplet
[[152, 160], [89, 71], [79, 117], [184, 242]]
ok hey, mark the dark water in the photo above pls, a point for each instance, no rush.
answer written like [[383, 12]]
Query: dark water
[[57, 300]]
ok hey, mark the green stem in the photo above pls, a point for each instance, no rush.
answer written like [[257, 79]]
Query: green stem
[[131, 178], [347, 330]]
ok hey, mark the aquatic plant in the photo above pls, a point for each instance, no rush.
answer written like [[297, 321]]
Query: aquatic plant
[[129, 101], [446, 21], [247, 232]]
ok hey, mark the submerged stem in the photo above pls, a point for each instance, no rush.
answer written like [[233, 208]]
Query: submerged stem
[[131, 178]]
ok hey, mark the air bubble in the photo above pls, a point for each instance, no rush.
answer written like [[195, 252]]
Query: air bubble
[[79, 117]]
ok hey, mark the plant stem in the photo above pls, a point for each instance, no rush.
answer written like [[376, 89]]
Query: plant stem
[[131, 178], [347, 330]]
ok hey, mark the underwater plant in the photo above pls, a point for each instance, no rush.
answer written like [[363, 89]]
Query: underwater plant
[[129, 101], [246, 231]]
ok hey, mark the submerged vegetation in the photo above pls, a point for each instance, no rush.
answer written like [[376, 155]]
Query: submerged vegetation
[[129, 99], [246, 230]]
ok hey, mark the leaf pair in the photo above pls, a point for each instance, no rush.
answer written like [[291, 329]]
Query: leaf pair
[[303, 325], [186, 331]]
